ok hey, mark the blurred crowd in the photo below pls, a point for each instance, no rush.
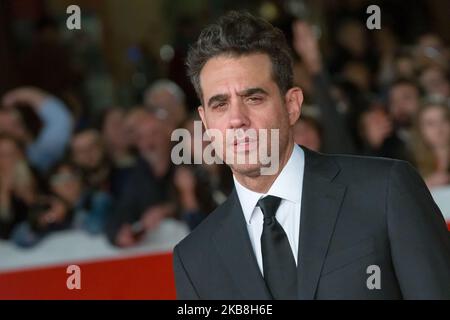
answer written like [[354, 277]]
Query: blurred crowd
[[112, 173], [116, 177]]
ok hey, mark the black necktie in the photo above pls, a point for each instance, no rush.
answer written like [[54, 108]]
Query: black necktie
[[280, 271]]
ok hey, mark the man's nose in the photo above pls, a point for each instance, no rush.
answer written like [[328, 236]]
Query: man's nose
[[238, 116]]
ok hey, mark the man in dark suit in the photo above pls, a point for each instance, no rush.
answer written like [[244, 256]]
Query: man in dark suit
[[320, 227]]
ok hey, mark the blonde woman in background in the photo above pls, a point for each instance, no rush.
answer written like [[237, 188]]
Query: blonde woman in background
[[17, 185], [431, 144]]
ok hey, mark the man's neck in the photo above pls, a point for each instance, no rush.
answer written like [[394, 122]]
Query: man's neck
[[262, 183]]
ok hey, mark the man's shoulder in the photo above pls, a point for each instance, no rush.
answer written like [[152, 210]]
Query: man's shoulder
[[356, 170], [200, 238], [364, 161], [364, 164]]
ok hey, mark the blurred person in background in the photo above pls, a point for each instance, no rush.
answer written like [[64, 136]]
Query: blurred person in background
[[145, 199], [69, 205], [378, 134], [194, 195], [435, 82], [431, 144], [359, 74], [89, 155], [17, 185], [336, 136], [133, 118], [430, 50], [404, 66], [308, 132], [404, 101], [47, 145], [118, 147], [352, 45], [116, 141], [167, 101], [387, 46]]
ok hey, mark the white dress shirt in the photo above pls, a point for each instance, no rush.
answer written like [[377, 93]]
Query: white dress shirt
[[288, 186]]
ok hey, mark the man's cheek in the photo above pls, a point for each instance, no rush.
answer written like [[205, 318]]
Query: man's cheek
[[217, 145]]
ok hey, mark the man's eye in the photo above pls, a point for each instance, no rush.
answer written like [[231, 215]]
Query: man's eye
[[255, 99], [219, 105]]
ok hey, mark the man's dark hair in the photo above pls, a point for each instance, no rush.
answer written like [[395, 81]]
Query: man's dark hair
[[237, 34]]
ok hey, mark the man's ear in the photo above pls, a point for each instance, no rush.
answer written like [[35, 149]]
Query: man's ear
[[294, 100], [201, 112]]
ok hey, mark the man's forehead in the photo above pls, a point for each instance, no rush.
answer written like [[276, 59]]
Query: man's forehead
[[236, 65], [234, 74]]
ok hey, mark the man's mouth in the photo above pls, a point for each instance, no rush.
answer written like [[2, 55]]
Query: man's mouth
[[245, 144]]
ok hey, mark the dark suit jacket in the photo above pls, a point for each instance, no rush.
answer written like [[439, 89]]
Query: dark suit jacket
[[355, 212]]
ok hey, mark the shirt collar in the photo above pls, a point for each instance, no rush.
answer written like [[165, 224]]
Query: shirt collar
[[287, 186]]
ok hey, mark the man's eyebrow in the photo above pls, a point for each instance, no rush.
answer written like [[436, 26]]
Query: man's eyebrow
[[244, 93], [250, 91], [217, 98]]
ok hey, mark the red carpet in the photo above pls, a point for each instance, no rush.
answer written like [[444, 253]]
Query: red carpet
[[143, 277]]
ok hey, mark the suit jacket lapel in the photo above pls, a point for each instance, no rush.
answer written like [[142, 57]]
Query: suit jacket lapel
[[321, 201], [235, 249]]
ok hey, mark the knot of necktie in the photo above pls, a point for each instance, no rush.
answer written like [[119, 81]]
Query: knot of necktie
[[269, 206]]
